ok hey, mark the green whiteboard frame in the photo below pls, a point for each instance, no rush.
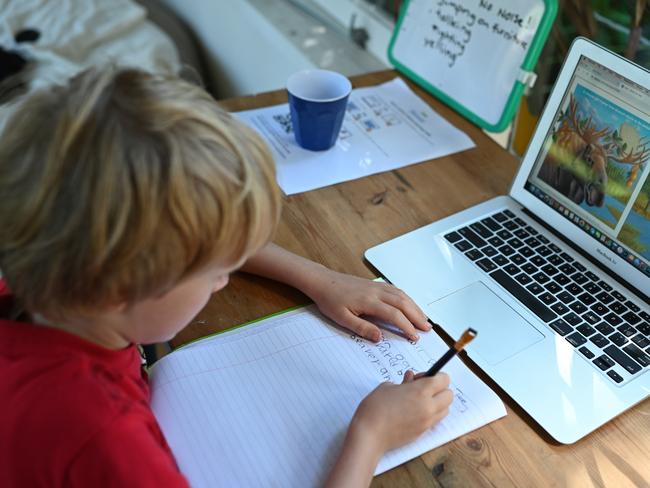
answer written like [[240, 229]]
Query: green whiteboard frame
[[535, 49]]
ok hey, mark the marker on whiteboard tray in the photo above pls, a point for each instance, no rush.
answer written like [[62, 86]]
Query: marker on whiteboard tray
[[465, 339]]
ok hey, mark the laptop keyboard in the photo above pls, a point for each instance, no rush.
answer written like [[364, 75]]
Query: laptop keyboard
[[607, 329]]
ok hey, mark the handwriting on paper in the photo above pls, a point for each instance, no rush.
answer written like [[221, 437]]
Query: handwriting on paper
[[457, 22]]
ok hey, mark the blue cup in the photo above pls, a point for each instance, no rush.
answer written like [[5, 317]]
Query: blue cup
[[317, 100]]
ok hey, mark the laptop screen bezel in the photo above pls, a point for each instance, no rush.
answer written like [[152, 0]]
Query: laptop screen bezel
[[580, 47]]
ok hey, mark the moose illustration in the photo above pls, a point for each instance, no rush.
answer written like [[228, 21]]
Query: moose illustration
[[577, 140]]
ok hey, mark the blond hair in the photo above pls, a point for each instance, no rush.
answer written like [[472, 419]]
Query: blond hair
[[121, 184]]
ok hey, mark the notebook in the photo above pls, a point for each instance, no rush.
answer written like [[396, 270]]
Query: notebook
[[268, 404]]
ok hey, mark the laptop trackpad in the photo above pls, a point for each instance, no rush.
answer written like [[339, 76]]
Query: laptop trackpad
[[502, 332]]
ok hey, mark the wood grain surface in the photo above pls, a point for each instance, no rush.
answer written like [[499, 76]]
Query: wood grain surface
[[336, 224]]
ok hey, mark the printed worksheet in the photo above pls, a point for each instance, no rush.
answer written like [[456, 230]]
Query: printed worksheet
[[269, 404], [385, 127]]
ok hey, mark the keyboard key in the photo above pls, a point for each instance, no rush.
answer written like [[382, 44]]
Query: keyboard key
[[644, 328], [526, 251], [637, 354], [511, 269], [532, 230], [645, 315], [599, 309], [579, 266], [618, 296], [573, 318], [547, 298], [586, 330], [592, 276], [509, 213], [523, 279], [615, 376], [565, 297], [516, 243], [618, 307], [622, 359], [490, 223], [561, 327], [600, 340], [553, 287], [544, 251], [586, 298], [486, 265], [584, 350], [532, 242], [566, 268], [641, 340], [573, 289], [605, 328], [605, 286], [529, 268], [603, 362], [550, 270], [562, 279], [576, 339], [495, 241], [453, 237], [592, 288], [541, 278], [591, 318], [500, 217], [535, 288], [567, 257], [632, 306], [555, 248], [489, 251], [579, 278], [507, 250], [578, 307], [481, 230], [521, 234], [559, 308], [518, 259], [474, 254], [472, 237], [631, 318], [504, 234], [538, 261], [617, 338], [500, 260], [555, 260], [520, 293], [510, 225], [520, 221], [543, 239], [627, 330], [613, 319], [605, 297], [463, 246]]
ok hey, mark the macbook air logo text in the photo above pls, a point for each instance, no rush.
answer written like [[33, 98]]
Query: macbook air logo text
[[606, 256]]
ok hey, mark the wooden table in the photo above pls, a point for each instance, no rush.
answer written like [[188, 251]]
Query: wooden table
[[335, 225]]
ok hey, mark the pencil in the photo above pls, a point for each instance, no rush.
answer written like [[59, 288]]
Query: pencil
[[465, 339]]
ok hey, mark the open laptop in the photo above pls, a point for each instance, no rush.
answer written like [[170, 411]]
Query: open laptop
[[555, 276]]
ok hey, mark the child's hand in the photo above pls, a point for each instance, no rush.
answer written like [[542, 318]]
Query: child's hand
[[344, 298], [396, 414]]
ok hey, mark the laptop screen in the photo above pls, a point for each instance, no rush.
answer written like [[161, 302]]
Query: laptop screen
[[593, 167]]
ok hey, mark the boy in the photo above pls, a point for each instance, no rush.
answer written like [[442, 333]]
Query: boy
[[127, 199]]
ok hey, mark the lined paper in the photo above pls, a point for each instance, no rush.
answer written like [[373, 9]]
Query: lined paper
[[269, 404]]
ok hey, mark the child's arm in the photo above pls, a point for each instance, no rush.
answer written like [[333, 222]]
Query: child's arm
[[388, 417], [343, 298]]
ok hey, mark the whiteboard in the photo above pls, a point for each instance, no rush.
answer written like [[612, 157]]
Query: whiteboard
[[472, 53]]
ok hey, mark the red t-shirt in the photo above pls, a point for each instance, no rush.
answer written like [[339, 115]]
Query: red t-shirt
[[73, 413]]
